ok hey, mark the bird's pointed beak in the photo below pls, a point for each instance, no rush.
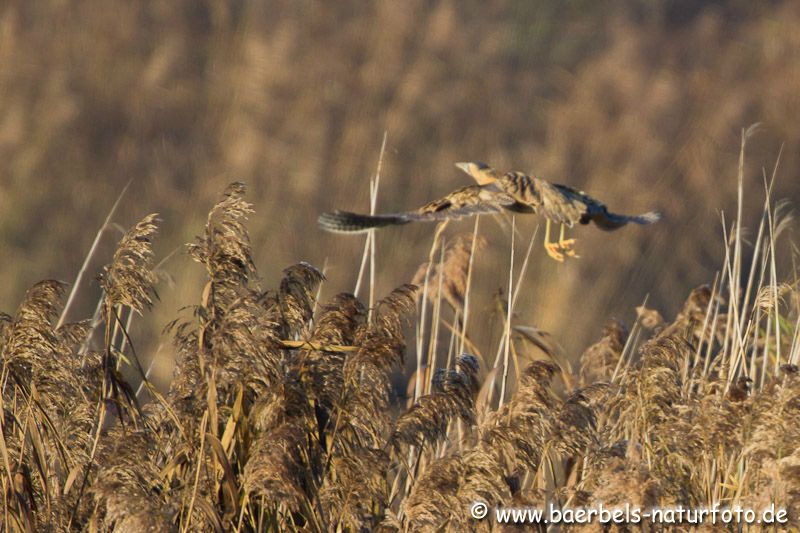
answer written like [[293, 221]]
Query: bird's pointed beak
[[464, 167]]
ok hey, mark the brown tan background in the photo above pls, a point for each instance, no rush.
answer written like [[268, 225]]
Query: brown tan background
[[639, 102]]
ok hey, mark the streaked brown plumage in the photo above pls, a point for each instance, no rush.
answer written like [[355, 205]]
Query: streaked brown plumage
[[512, 191]]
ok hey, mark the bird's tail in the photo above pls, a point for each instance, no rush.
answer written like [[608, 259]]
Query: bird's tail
[[611, 221], [346, 222]]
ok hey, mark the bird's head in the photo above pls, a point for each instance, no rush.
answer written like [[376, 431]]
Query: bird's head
[[480, 172]]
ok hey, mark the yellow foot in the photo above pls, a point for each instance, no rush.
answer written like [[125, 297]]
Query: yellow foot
[[554, 250], [568, 247]]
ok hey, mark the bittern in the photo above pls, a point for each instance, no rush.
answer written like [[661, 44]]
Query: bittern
[[494, 191]]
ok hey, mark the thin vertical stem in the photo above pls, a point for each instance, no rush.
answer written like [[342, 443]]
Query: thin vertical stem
[[507, 347]]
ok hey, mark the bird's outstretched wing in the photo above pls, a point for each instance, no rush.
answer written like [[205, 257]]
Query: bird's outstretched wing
[[347, 222], [592, 210], [466, 202], [611, 221], [568, 206]]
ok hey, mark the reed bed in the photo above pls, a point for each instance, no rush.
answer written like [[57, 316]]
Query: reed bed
[[284, 414]]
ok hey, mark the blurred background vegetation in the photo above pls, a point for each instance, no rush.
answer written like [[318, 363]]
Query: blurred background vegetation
[[639, 102]]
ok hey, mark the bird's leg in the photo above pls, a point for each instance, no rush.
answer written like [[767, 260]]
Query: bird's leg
[[552, 248], [566, 245]]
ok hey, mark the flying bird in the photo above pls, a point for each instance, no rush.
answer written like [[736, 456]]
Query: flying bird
[[494, 192]]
